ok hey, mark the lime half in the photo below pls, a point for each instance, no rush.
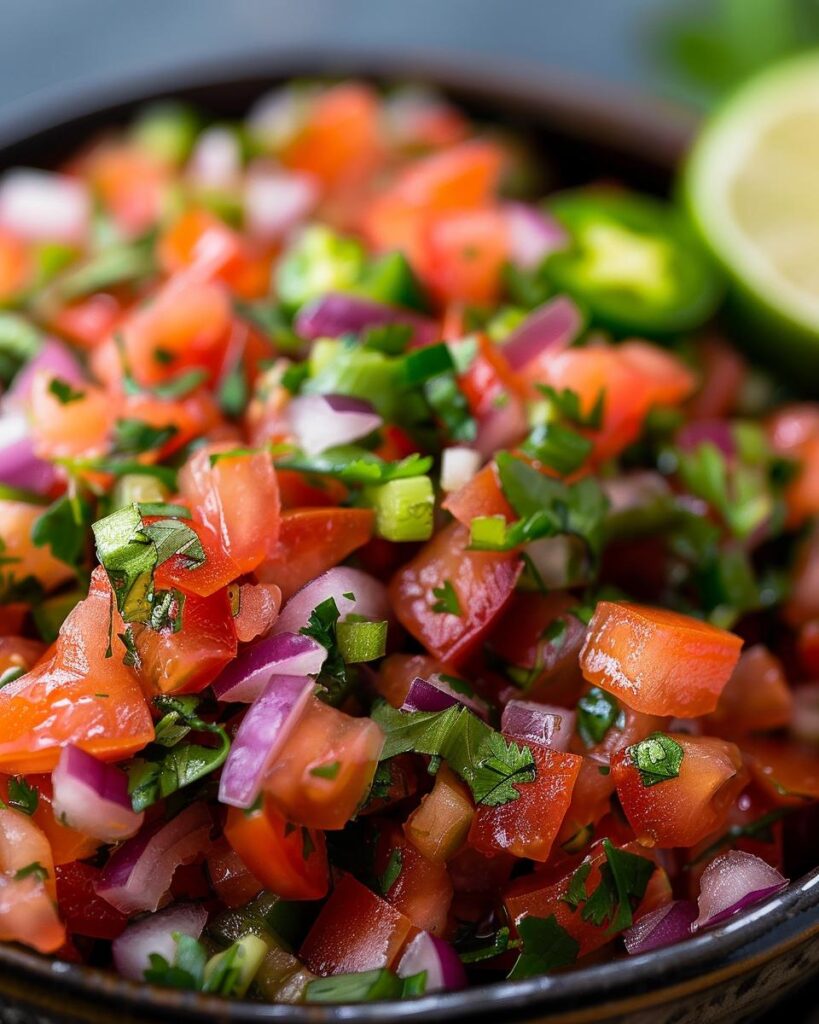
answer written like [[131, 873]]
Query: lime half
[[752, 186]]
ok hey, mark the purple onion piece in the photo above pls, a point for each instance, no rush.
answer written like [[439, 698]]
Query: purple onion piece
[[338, 313], [664, 926], [369, 599], [437, 694], [264, 729], [290, 654], [53, 357], [715, 432], [538, 723], [444, 970], [155, 934], [533, 234], [19, 465], [732, 882], [549, 328], [92, 797], [325, 421]]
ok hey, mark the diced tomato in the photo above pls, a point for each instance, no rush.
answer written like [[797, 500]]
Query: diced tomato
[[591, 801], [723, 374], [298, 492], [288, 861], [340, 141], [788, 773], [76, 696], [24, 558], [313, 540], [527, 826], [84, 912], [757, 695], [217, 571], [18, 651], [487, 383], [27, 911], [544, 895], [132, 184], [802, 605], [439, 826], [22, 842], [229, 876], [236, 496], [521, 636], [185, 326], [258, 609], [421, 888], [66, 843], [397, 671], [187, 418], [355, 931], [79, 426], [188, 658], [325, 767], [658, 661], [481, 581], [88, 322], [462, 255], [15, 266], [680, 811], [482, 496]]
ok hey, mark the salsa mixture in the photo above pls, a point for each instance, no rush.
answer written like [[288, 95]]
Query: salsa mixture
[[404, 585]]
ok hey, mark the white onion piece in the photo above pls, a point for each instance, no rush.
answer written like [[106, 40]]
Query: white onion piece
[[265, 727], [139, 873], [444, 970], [369, 599], [539, 723], [155, 934], [733, 881], [42, 206], [805, 717], [319, 422], [458, 465], [533, 234], [661, 927], [277, 200], [216, 160], [92, 797]]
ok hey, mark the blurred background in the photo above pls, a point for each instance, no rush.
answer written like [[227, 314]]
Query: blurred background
[[688, 50]]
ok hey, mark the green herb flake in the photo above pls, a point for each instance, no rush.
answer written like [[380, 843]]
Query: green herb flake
[[657, 758], [546, 946], [389, 876], [597, 712], [447, 600], [64, 392], [329, 770], [22, 796]]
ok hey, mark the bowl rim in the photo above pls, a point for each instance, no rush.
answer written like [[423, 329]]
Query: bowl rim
[[650, 132]]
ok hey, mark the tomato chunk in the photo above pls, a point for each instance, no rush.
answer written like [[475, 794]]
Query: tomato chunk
[[83, 911], [757, 695], [658, 661], [683, 810], [482, 582], [28, 559], [421, 889], [289, 861], [355, 931], [788, 773]]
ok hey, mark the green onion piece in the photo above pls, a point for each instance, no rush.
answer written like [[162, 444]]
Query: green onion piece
[[138, 488], [168, 130], [403, 508], [488, 531], [361, 641], [364, 987], [231, 972], [319, 261]]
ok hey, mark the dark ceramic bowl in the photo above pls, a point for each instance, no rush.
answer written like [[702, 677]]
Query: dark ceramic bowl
[[728, 974]]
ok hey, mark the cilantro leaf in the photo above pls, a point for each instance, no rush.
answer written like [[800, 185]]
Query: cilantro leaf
[[657, 758], [22, 796], [447, 599], [576, 893], [64, 528], [353, 465], [546, 945], [64, 392], [133, 436], [365, 987], [557, 447], [475, 953], [597, 712], [391, 872], [187, 970], [568, 406], [35, 869], [502, 765], [321, 626], [623, 880]]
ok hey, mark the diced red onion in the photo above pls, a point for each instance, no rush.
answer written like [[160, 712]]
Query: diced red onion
[[92, 797], [533, 234], [661, 927], [540, 723], [216, 160], [277, 200], [732, 882], [715, 432], [549, 328], [458, 465], [287, 654], [436, 694], [264, 728], [155, 934], [502, 427], [19, 465], [53, 357], [337, 313], [805, 717], [43, 206], [319, 422], [139, 872], [445, 972], [369, 599]]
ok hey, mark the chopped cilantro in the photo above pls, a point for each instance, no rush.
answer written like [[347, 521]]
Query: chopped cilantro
[[623, 880], [22, 795], [64, 392], [329, 770], [597, 712], [657, 758], [546, 945], [391, 872], [557, 447], [576, 893], [447, 600], [503, 764], [353, 465], [365, 987], [35, 870], [567, 404], [133, 436], [64, 528]]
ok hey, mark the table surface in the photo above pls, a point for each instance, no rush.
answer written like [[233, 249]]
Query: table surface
[[46, 45]]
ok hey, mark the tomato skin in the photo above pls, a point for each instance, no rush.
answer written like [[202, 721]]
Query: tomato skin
[[313, 540], [190, 658], [298, 493], [422, 889], [189, 417], [237, 499], [683, 810], [355, 931], [83, 911], [229, 876], [218, 570], [132, 184], [58, 703], [66, 843], [462, 255], [273, 852], [27, 911], [483, 582], [482, 496], [757, 695], [657, 661], [87, 322], [16, 521], [80, 427], [788, 773], [15, 265], [527, 827], [439, 826], [324, 736], [397, 671], [259, 605]]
